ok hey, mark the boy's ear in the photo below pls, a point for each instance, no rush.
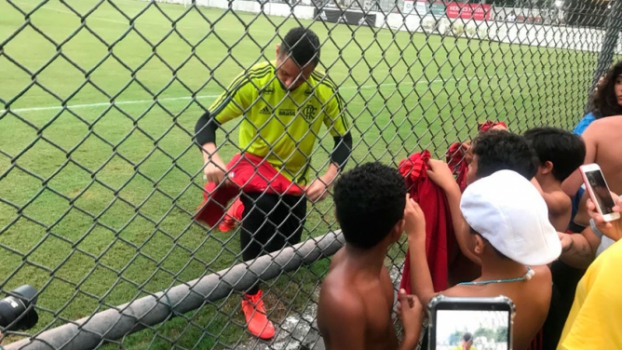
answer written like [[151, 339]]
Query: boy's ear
[[546, 168], [479, 245]]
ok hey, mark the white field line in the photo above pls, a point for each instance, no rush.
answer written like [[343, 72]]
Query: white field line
[[185, 98]]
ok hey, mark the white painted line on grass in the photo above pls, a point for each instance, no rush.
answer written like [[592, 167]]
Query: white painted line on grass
[[185, 98]]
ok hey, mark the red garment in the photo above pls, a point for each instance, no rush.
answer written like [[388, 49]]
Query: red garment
[[457, 152], [249, 173], [440, 238], [487, 125], [455, 160]]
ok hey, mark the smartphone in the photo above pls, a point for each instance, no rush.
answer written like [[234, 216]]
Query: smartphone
[[599, 191], [470, 323]]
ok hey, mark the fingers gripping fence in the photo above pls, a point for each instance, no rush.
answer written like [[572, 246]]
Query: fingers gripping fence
[[100, 173]]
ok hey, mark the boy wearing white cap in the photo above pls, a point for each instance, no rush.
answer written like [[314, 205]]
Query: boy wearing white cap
[[514, 241]]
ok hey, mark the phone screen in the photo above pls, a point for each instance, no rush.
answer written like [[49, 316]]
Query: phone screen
[[603, 197], [472, 330]]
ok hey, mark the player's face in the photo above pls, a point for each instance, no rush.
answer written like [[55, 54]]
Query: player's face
[[290, 74]]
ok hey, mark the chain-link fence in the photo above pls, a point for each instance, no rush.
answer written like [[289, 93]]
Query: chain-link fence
[[100, 174]]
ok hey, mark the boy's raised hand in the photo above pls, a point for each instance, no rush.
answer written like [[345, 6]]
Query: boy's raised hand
[[414, 220], [440, 174], [411, 313]]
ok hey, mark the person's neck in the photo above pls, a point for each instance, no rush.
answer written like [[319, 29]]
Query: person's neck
[[368, 261], [549, 183], [494, 268]]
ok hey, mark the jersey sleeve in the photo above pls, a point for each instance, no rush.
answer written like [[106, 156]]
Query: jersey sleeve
[[234, 101], [335, 115]]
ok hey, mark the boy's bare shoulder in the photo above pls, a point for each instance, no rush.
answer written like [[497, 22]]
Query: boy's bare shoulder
[[338, 301], [559, 203]]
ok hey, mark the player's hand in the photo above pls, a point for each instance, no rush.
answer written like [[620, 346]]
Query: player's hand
[[318, 189], [411, 313], [214, 170], [414, 221], [440, 174], [566, 241], [611, 229]]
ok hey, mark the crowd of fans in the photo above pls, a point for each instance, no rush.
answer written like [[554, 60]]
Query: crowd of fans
[[522, 218], [505, 215]]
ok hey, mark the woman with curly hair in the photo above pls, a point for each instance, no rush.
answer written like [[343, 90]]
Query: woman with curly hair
[[606, 99]]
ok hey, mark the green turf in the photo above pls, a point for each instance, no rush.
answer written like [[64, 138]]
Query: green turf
[[132, 169]]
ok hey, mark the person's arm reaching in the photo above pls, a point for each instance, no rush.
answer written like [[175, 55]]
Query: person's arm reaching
[[414, 226], [441, 175], [335, 120], [229, 105], [579, 250]]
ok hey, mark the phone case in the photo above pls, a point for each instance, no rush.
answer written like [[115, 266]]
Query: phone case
[[487, 304], [590, 191]]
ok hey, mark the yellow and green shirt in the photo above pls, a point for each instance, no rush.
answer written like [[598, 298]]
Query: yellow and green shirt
[[278, 125]]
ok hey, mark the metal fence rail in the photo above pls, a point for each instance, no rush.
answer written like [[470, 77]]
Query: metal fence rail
[[101, 176]]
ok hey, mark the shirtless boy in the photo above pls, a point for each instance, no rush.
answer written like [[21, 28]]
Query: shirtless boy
[[560, 153], [356, 298], [512, 238]]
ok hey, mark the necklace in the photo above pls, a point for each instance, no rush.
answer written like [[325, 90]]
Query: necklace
[[526, 277]]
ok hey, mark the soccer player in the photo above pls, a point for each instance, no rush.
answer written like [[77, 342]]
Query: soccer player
[[283, 104]]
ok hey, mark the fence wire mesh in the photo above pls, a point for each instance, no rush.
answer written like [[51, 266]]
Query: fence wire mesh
[[100, 176]]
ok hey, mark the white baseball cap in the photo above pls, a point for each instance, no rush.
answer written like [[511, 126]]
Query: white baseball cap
[[509, 212]]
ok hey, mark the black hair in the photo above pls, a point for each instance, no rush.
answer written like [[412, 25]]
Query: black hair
[[303, 45], [502, 150], [467, 337], [369, 200], [605, 102], [562, 148], [501, 255]]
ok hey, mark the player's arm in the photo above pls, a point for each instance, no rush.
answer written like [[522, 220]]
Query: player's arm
[[229, 105], [572, 184], [336, 120], [441, 175]]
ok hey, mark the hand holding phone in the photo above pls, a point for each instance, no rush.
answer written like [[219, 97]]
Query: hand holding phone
[[470, 323], [599, 191]]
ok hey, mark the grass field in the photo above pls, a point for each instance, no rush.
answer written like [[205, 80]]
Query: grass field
[[96, 202]]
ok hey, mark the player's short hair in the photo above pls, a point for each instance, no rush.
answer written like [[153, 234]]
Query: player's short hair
[[562, 148], [369, 200], [502, 150], [467, 337], [302, 45]]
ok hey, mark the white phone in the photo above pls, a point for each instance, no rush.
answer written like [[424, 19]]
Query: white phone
[[599, 191]]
